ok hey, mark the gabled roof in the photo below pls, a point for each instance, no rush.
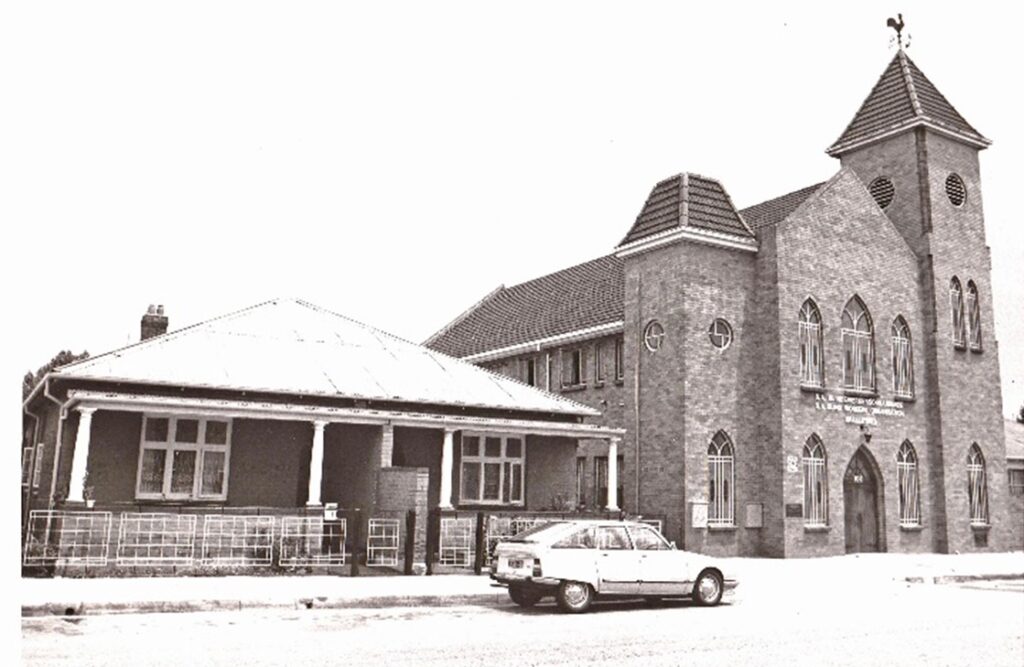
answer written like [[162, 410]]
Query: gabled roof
[[774, 211], [687, 200], [581, 297], [903, 98], [294, 347]]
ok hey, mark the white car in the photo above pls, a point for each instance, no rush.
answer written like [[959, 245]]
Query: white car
[[578, 560]]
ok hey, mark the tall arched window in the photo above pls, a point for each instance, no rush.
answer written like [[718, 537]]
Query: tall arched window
[[906, 470], [720, 481], [973, 316], [956, 309], [815, 483], [977, 491], [902, 359], [812, 372], [858, 347]]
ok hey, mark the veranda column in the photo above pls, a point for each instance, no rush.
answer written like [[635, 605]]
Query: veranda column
[[316, 464], [80, 458], [447, 461], [613, 474]]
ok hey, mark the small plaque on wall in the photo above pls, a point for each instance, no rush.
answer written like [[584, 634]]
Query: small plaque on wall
[[794, 511], [699, 514], [754, 515], [792, 464]]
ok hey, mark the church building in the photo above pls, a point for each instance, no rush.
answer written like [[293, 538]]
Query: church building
[[813, 375]]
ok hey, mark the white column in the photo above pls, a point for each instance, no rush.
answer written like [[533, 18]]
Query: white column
[[447, 462], [80, 458], [387, 445], [613, 474], [316, 464]]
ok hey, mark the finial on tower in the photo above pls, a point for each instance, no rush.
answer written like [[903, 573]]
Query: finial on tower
[[897, 25]]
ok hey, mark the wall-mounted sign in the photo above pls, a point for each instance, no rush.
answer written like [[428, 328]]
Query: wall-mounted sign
[[699, 514], [858, 409], [794, 511], [754, 515], [331, 512], [792, 463]]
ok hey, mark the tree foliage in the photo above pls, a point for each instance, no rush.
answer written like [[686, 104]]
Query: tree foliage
[[62, 358], [1020, 414]]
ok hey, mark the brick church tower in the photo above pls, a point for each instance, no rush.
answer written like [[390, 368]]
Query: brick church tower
[[919, 158]]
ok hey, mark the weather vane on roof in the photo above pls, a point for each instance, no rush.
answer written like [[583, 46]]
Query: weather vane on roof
[[897, 25]]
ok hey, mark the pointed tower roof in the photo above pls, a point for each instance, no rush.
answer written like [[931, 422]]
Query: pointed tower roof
[[904, 98], [687, 200]]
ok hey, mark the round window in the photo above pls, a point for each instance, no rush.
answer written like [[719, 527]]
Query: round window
[[720, 333], [882, 190], [956, 190], [654, 334]]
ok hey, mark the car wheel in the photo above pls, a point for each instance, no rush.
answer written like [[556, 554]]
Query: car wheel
[[523, 597], [707, 592], [574, 597]]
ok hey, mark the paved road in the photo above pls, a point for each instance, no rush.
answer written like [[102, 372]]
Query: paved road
[[808, 625]]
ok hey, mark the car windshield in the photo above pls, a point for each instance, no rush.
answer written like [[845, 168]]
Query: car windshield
[[530, 534]]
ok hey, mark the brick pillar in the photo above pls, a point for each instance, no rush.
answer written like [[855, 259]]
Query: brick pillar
[[80, 458]]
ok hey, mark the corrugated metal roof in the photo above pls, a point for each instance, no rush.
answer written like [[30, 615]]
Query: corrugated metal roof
[[903, 97], [291, 346]]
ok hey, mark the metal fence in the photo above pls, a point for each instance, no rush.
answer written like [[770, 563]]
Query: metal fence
[[382, 542], [240, 541], [67, 538], [309, 541], [156, 539]]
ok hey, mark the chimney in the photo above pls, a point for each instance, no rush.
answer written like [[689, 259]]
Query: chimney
[[154, 322]]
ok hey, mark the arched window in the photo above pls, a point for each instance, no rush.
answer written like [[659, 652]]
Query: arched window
[[815, 483], [906, 470], [974, 316], [720, 481], [902, 359], [858, 347], [977, 491], [812, 372], [956, 308]]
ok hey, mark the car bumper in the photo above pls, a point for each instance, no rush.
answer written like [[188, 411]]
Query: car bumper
[[504, 579]]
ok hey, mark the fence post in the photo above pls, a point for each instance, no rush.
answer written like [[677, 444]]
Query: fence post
[[357, 537], [481, 543], [433, 516], [410, 540]]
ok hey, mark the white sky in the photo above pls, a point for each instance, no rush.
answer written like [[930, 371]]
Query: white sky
[[397, 161]]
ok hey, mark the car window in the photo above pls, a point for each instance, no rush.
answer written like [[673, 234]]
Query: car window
[[579, 539], [647, 539], [613, 538]]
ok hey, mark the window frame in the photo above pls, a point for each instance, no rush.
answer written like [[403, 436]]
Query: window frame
[[26, 466], [659, 539], [581, 481], [37, 472], [620, 359], [721, 468], [170, 446], [956, 312], [576, 366], [812, 345], [599, 375], [654, 335], [855, 338], [715, 331], [902, 350], [908, 486], [977, 487], [814, 469], [503, 459], [528, 368], [1015, 481], [973, 308]]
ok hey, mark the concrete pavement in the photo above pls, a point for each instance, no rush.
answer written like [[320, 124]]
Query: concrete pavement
[[77, 596]]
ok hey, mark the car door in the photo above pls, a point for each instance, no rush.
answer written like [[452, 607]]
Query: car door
[[618, 567], [663, 570]]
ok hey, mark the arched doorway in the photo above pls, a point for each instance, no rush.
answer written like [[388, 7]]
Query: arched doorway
[[862, 497]]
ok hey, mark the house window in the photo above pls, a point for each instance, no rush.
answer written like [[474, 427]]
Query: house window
[[184, 458], [902, 360], [815, 483], [1016, 480], [620, 357], [906, 470], [973, 316], [654, 335], [720, 481], [956, 309], [572, 367], [601, 481], [812, 368], [581, 481], [529, 371], [38, 472], [977, 491], [599, 362], [858, 347], [720, 333], [26, 466], [492, 469]]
